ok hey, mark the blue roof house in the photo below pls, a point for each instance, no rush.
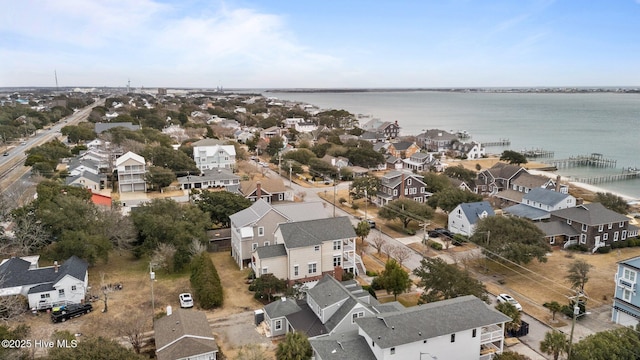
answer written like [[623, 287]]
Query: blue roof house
[[626, 302]]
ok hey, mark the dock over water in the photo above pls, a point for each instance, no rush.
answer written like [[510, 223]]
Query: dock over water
[[626, 175], [501, 142], [593, 160]]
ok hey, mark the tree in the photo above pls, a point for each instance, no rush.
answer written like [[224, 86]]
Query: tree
[[29, 235], [295, 346], [460, 173], [276, 144], [515, 239], [449, 198], [220, 205], [621, 344], [406, 210], [394, 279], [401, 253], [321, 168], [511, 311], [89, 348], [554, 343], [436, 182], [378, 243], [205, 281], [132, 327], [612, 202], [252, 352], [364, 184], [513, 157], [510, 355], [362, 230], [159, 177], [578, 274], [554, 307], [443, 281], [269, 285], [364, 157], [301, 155]]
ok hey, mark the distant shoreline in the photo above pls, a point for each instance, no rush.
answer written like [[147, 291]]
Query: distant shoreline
[[544, 90]]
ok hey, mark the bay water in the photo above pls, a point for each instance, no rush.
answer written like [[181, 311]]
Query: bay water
[[569, 124]]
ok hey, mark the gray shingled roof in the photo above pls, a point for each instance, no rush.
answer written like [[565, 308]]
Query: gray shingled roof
[[210, 175], [251, 214], [439, 135], [590, 214], [342, 311], [209, 142], [328, 291], [86, 175], [15, 272], [306, 321], [526, 211], [429, 321], [281, 307], [395, 177], [557, 228], [315, 232], [472, 211], [401, 145], [504, 171], [530, 181], [302, 211], [182, 334], [349, 346], [265, 252], [545, 196]]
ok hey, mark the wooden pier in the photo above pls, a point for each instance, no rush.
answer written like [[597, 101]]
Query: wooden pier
[[537, 153], [626, 175], [593, 160], [501, 142]]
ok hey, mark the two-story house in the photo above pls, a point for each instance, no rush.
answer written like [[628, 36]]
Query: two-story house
[[269, 189], [626, 301], [131, 169], [304, 251], [384, 129], [255, 226], [401, 183], [419, 161], [470, 150], [595, 225], [464, 217], [402, 149], [211, 154], [538, 203], [218, 178], [496, 178], [436, 140]]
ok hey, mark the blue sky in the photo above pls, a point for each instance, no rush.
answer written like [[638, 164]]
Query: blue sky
[[320, 43]]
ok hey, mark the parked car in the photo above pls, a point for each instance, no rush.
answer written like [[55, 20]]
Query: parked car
[[186, 301], [440, 232], [372, 224], [66, 312], [506, 298]]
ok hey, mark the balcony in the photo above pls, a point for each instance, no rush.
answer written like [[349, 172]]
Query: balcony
[[626, 283], [491, 333], [487, 351]]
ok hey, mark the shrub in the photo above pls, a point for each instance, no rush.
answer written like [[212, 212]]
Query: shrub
[[342, 200], [579, 247], [347, 276], [435, 245], [371, 273], [604, 250], [355, 206], [377, 284], [410, 232], [207, 289]]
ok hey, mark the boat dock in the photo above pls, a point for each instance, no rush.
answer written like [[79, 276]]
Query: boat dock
[[593, 160], [626, 175], [537, 153], [501, 142]]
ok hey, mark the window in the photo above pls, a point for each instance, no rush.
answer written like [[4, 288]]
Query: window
[[610, 226], [621, 224], [266, 243], [600, 228], [312, 268], [73, 288], [453, 337], [552, 240], [296, 270], [354, 316], [280, 197], [316, 248], [278, 324], [261, 231], [584, 227], [605, 237], [337, 244], [265, 270], [626, 295], [395, 192], [393, 350], [615, 236], [624, 235], [628, 274], [473, 332], [568, 222], [422, 190], [61, 293], [583, 239], [45, 296], [337, 261], [408, 181], [254, 246]]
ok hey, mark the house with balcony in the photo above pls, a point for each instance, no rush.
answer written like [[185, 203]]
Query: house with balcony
[[401, 183], [464, 218], [593, 225], [218, 178], [254, 226], [211, 154], [626, 301], [498, 177], [131, 169], [538, 203], [468, 150], [305, 251], [436, 140], [419, 161]]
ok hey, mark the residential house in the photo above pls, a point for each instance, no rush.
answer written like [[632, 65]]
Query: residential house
[[371, 136], [305, 126], [218, 178], [401, 183], [270, 132], [403, 149], [45, 287], [626, 301], [77, 166], [305, 251], [418, 161], [211, 154], [267, 188], [436, 140], [131, 173], [594, 225], [339, 161], [496, 178], [463, 185], [392, 163], [255, 226], [464, 217], [87, 180], [470, 150], [102, 127], [385, 129], [184, 334], [538, 203]]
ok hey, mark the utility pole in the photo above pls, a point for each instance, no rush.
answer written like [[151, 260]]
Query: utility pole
[[290, 167], [576, 311], [366, 200], [152, 276]]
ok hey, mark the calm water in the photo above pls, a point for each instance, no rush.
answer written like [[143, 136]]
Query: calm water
[[567, 124]]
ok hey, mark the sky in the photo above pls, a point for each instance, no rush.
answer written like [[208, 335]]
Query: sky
[[320, 43]]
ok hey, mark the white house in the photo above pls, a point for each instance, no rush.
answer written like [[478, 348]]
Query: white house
[[463, 219], [211, 154], [45, 287], [184, 334], [131, 173], [538, 203]]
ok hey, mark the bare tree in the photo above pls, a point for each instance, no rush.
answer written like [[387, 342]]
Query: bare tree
[[197, 247], [401, 253], [119, 229], [106, 289], [162, 257], [378, 243], [29, 235], [132, 327]]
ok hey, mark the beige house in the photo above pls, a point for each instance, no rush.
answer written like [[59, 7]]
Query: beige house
[[131, 172]]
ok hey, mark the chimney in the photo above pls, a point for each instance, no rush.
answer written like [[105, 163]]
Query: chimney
[[258, 190], [558, 183], [402, 186], [55, 266], [338, 272]]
